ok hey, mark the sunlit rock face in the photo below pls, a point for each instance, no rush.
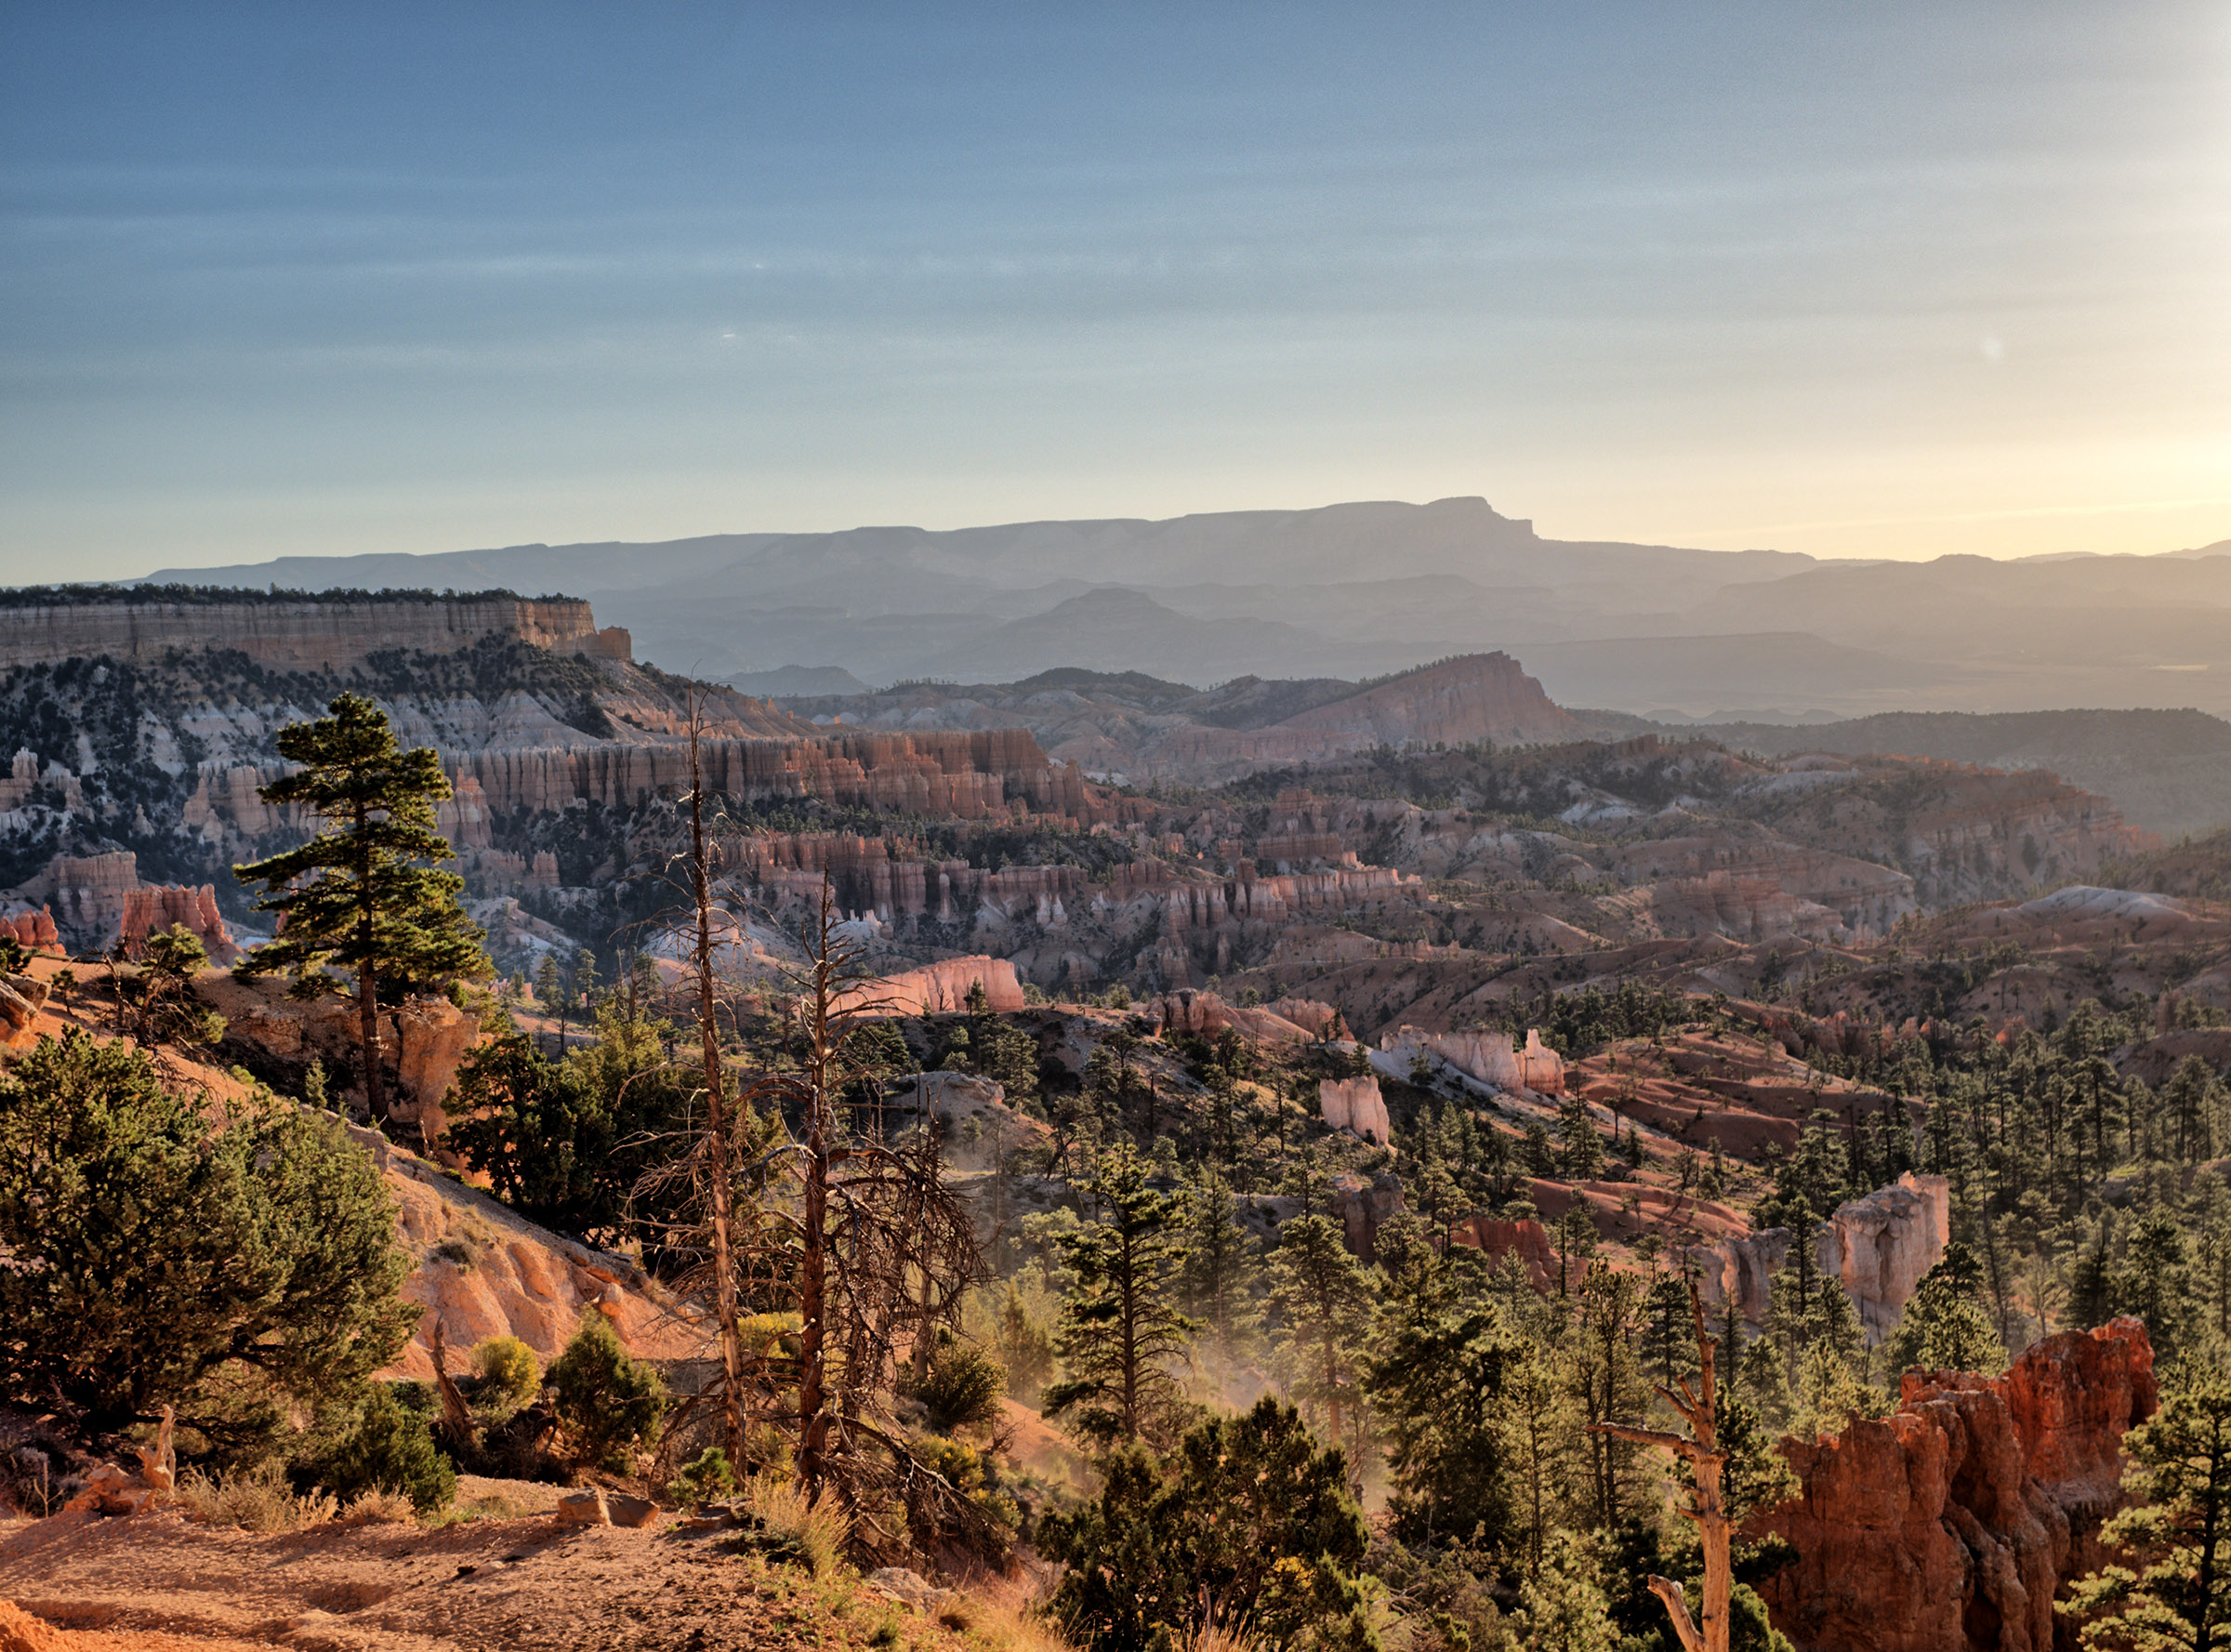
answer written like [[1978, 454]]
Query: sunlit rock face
[[1881, 1245], [1951, 1523]]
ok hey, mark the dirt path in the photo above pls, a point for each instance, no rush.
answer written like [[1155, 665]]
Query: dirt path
[[514, 1585]]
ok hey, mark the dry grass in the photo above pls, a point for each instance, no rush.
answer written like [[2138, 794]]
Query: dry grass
[[380, 1508], [253, 1499], [1001, 1615], [813, 1536]]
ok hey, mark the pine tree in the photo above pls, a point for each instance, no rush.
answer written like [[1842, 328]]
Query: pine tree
[[1326, 1297], [1221, 1272], [2177, 1595], [357, 896], [1120, 1329]]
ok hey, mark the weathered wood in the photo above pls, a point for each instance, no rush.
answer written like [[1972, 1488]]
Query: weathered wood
[[1706, 1507]]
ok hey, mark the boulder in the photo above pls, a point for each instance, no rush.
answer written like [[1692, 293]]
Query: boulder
[[907, 1588], [585, 1508], [625, 1510], [1952, 1522]]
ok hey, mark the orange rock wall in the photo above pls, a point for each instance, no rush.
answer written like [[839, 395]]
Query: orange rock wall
[[1952, 1522]]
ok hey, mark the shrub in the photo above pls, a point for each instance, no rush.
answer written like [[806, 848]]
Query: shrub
[[962, 1386], [607, 1400], [705, 1476], [151, 1258], [255, 1499], [510, 1377], [385, 1447]]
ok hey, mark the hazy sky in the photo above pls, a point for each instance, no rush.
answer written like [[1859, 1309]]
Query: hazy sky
[[1881, 279]]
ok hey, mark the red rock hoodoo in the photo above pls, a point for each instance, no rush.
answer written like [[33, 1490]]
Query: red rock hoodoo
[[1952, 1522]]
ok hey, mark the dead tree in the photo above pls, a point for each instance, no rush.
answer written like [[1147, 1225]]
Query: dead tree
[[861, 1237], [1706, 1506], [719, 1183]]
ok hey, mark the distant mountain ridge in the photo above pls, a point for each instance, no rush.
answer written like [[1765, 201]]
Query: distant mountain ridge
[[1359, 589]]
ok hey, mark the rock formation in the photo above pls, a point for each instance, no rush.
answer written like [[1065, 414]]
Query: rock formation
[[1881, 1245], [97, 901], [935, 989], [1952, 1522], [1355, 1105], [1740, 1269], [1363, 1206], [32, 931], [312, 633], [481, 1271], [1492, 1058], [1496, 1239], [423, 1042], [1207, 1015]]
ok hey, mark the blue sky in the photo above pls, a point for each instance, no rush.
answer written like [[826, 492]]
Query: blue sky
[[1886, 280]]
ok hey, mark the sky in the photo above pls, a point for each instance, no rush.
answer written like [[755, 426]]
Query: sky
[[1883, 280]]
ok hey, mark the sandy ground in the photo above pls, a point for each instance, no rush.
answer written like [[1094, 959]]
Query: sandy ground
[[161, 1583]]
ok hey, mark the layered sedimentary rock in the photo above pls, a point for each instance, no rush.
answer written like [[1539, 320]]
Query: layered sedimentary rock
[[935, 990], [96, 901], [1756, 889], [1881, 1245], [1207, 1015], [1952, 1522], [309, 634], [1492, 1058], [1498, 1238], [1355, 1105]]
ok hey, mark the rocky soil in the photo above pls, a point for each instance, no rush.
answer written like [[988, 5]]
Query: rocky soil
[[160, 1583]]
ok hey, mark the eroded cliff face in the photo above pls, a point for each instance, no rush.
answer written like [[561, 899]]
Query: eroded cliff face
[[310, 633], [1951, 1523]]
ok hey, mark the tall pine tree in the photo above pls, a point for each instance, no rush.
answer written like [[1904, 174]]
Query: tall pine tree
[[358, 895]]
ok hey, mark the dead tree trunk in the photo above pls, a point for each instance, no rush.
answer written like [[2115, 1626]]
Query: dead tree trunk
[[813, 1420], [722, 1188], [1707, 1508]]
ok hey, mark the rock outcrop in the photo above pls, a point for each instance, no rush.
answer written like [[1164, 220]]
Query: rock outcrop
[[95, 902], [935, 989], [482, 1271], [32, 931], [1207, 1015], [1496, 1239], [1881, 1245], [312, 633], [1952, 1522], [423, 1042], [1361, 1206], [1492, 1058], [1740, 1269], [1355, 1105]]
